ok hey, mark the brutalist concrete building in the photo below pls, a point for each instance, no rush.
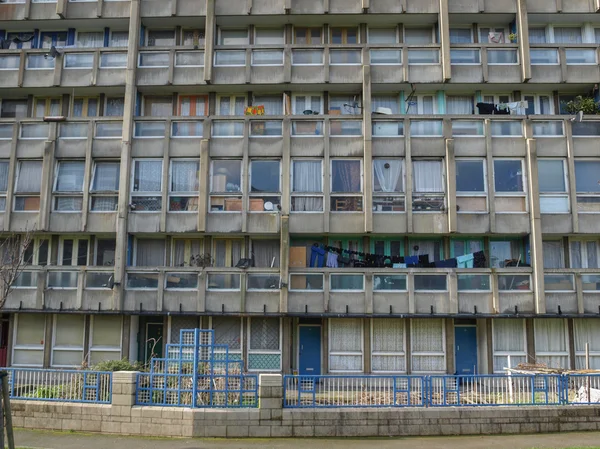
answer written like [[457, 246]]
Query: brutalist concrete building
[[333, 186]]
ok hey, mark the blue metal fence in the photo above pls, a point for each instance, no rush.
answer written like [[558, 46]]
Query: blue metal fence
[[441, 391], [60, 385], [197, 373]]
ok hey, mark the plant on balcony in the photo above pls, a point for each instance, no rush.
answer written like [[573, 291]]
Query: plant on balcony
[[587, 105]]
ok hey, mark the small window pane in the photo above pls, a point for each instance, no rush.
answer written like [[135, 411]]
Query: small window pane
[[469, 176], [551, 176], [508, 175]]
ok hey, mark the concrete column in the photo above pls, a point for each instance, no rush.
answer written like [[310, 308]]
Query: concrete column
[[571, 178], [409, 186], [367, 368], [47, 177], [124, 179], [48, 339], [87, 176], [209, 40], [523, 37], [284, 261], [12, 169], [125, 337], [535, 240], [451, 185], [286, 356], [123, 388], [490, 175], [368, 153], [204, 185], [571, 340], [408, 349], [450, 357], [444, 21], [530, 338], [270, 393]]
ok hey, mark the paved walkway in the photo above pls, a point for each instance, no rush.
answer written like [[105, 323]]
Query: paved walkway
[[64, 440]]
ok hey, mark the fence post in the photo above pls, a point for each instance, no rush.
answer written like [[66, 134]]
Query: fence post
[[270, 392], [7, 419], [124, 388]]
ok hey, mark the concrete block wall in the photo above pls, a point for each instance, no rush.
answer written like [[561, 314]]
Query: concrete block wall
[[271, 420]]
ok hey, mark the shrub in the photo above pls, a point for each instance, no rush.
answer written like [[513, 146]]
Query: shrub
[[585, 104], [118, 365]]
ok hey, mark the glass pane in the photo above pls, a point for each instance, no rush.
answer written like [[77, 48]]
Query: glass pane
[[187, 281], [467, 282], [343, 57], [463, 56], [267, 57], [223, 281], [551, 175], [98, 280], [383, 282], [79, 60], [386, 57], [347, 282], [230, 58], [307, 128], [559, 282], [306, 282], [113, 60], [467, 128], [540, 57], [109, 129], [346, 176], [265, 176], [423, 56], [587, 176], [388, 129], [541, 129], [142, 281], [502, 57], [189, 58], [154, 59], [62, 279], [586, 128], [514, 282], [307, 57], [430, 282], [263, 282], [469, 176]]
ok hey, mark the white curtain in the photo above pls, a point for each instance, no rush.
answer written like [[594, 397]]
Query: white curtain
[[307, 178], [273, 104], [385, 101], [30, 177], [3, 176], [345, 344], [418, 36], [587, 331], [567, 35], [115, 107], [150, 253], [427, 177], [508, 339], [225, 259], [460, 36], [184, 176], [388, 345], [430, 248], [388, 173], [266, 253], [70, 176], [551, 342], [106, 177], [148, 176], [459, 105], [504, 250], [179, 259], [537, 35], [119, 39], [553, 254], [584, 254], [90, 39], [427, 344]]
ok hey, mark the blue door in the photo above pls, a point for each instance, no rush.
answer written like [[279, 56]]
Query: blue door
[[465, 342], [309, 359]]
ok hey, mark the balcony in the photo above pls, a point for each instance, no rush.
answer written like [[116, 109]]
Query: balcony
[[489, 63], [487, 6], [72, 68], [572, 6], [170, 8], [572, 291], [557, 63], [158, 67]]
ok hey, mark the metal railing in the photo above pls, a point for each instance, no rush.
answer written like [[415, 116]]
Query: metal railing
[[441, 391], [60, 385]]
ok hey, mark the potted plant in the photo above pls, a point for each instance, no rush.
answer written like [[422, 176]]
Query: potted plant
[[513, 37], [587, 105]]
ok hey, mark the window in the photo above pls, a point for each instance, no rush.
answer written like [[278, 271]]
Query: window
[[461, 247], [383, 36], [428, 340], [505, 253], [551, 342], [388, 185], [228, 252], [231, 104], [192, 105], [27, 185], [387, 102], [462, 105], [90, 39], [266, 253], [114, 107], [585, 129], [307, 104], [105, 252], [422, 105], [105, 187], [269, 36], [47, 107], [307, 57], [153, 59], [226, 186], [39, 62], [72, 252], [388, 346], [471, 185], [73, 130], [230, 58], [345, 105], [307, 185], [264, 345], [105, 338], [149, 253], [85, 107], [418, 35], [157, 106], [580, 56], [53, 38], [308, 36], [508, 341], [186, 252], [119, 39], [146, 185], [189, 59], [345, 345], [587, 332], [339, 35], [567, 35], [554, 253], [547, 129], [493, 35], [543, 56], [265, 186], [537, 35], [461, 36], [68, 186], [345, 57], [505, 128], [233, 36], [273, 104], [3, 183], [10, 62], [184, 186], [160, 38], [193, 37], [29, 336], [587, 182], [266, 128], [509, 185], [428, 186], [467, 128], [464, 57], [228, 331], [346, 185], [539, 104], [13, 109], [37, 252], [502, 57], [584, 254], [25, 40], [67, 340], [554, 196]]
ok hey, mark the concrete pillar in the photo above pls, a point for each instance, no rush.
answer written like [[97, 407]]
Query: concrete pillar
[[530, 338], [523, 37], [123, 388], [444, 21], [571, 176], [490, 175], [47, 178], [409, 184], [450, 357], [571, 342], [535, 239], [451, 185], [12, 170], [284, 260], [367, 368], [368, 153], [270, 393], [209, 40]]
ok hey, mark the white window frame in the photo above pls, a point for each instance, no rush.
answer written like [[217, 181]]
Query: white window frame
[[307, 102], [292, 289], [229, 28], [537, 103], [99, 194], [354, 353], [469, 28], [428, 353], [395, 27], [77, 194], [496, 29], [187, 249], [232, 101], [483, 194], [252, 194], [401, 194], [279, 44], [24, 194], [523, 194], [519, 354], [279, 352], [91, 348], [360, 194], [77, 32], [17, 347], [493, 64], [433, 35], [307, 194], [496, 98], [110, 36], [141, 53], [182, 194], [66, 349], [147, 35], [74, 256], [418, 99], [96, 251], [580, 353], [347, 290], [375, 353], [133, 193], [584, 250], [564, 194], [236, 195]]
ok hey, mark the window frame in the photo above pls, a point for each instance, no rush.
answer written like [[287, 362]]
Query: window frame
[[85, 112], [395, 28], [75, 255], [235, 195], [564, 194], [331, 353], [91, 347], [133, 193], [375, 353], [18, 347], [428, 353], [359, 195], [518, 194], [484, 194], [294, 194], [508, 353], [250, 351], [252, 194], [232, 28], [147, 32], [47, 103], [17, 194], [308, 102], [232, 101], [54, 348], [190, 194], [101, 193], [67, 194], [395, 195], [307, 34]]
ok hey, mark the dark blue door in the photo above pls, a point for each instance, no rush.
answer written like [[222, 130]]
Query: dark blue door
[[465, 342], [309, 360]]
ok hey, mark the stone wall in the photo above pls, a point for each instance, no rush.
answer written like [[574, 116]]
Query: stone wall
[[271, 420]]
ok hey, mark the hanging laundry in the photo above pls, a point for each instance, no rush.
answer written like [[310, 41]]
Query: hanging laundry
[[448, 263], [486, 108], [465, 261], [399, 265], [496, 37], [518, 107], [424, 261], [4, 44], [332, 260], [411, 261], [479, 259], [317, 255]]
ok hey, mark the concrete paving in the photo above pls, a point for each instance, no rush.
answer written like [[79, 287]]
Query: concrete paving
[[64, 440]]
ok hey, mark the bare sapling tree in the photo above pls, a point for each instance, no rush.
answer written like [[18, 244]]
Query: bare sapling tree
[[15, 255]]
